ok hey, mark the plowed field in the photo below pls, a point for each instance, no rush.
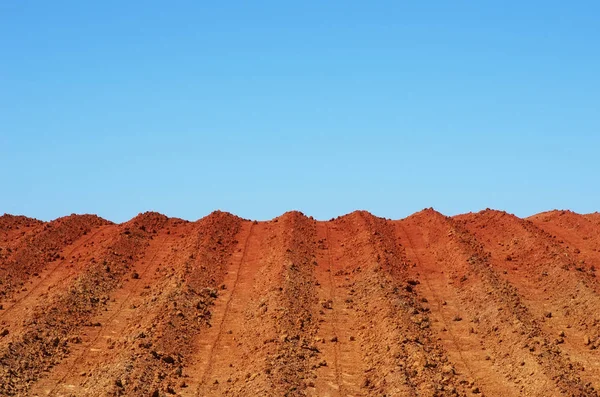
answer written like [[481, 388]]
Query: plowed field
[[480, 304]]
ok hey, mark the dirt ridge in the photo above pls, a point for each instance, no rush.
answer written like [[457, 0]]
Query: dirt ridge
[[475, 304]]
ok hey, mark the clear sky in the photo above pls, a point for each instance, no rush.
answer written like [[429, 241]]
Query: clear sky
[[260, 107]]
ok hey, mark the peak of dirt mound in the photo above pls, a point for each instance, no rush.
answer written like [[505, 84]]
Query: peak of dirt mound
[[428, 214], [290, 216], [84, 219], [223, 215], [8, 222], [147, 220], [483, 303]]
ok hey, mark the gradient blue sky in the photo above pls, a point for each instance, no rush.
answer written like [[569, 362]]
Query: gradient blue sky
[[183, 107]]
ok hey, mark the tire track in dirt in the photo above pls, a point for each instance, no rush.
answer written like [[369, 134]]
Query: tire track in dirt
[[267, 344], [411, 360], [241, 360], [329, 338], [334, 300], [377, 365], [65, 378], [456, 336], [342, 322], [211, 338], [182, 310]]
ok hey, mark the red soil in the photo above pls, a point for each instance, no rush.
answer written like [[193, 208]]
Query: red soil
[[479, 304]]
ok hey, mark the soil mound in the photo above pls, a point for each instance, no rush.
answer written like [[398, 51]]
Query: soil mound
[[478, 304]]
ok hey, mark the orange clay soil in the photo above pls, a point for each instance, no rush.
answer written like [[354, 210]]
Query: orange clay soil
[[478, 304]]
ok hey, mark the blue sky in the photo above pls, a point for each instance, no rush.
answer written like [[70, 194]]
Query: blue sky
[[261, 107]]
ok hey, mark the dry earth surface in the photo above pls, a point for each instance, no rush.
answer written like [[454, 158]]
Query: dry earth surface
[[480, 304]]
